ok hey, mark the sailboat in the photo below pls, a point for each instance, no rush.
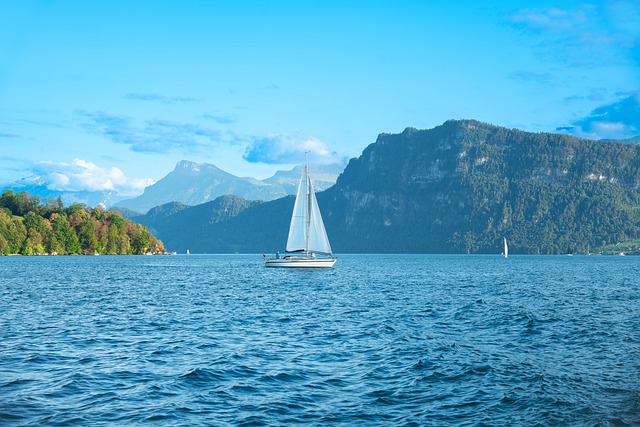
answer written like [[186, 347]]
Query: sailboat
[[307, 244], [505, 253]]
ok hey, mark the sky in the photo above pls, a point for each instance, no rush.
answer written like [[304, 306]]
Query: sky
[[110, 95]]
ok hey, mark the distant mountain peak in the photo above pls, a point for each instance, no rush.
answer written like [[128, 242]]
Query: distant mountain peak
[[189, 166], [410, 131], [195, 183]]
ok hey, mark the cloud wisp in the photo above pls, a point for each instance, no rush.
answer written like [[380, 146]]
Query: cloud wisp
[[594, 35], [617, 120], [81, 175], [531, 77], [220, 119], [289, 149], [550, 20], [154, 136], [164, 136], [160, 98]]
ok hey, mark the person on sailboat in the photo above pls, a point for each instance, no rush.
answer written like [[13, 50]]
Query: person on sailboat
[[277, 254]]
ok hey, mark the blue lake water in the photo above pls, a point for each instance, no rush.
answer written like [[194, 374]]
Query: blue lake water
[[377, 340]]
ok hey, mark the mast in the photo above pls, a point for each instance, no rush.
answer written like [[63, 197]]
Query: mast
[[307, 210]]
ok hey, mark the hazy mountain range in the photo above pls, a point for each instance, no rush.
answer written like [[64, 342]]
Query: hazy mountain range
[[457, 188], [36, 186], [189, 183], [195, 183]]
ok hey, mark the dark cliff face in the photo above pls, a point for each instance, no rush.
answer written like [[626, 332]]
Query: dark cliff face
[[465, 148], [462, 186], [399, 194]]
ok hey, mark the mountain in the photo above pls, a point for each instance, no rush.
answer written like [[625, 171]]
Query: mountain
[[324, 176], [171, 222], [127, 213], [195, 183], [634, 140], [190, 183], [462, 186], [457, 188]]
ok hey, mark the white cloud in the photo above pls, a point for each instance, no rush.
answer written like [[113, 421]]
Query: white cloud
[[160, 98], [81, 175], [289, 149]]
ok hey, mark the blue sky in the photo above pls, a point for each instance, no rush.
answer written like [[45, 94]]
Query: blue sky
[[112, 94]]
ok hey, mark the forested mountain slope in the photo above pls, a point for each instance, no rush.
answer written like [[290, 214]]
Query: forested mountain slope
[[462, 186]]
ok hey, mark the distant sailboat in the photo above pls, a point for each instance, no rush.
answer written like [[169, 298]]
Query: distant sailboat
[[307, 244], [505, 253]]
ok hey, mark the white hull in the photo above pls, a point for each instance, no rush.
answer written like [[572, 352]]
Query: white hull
[[300, 262]]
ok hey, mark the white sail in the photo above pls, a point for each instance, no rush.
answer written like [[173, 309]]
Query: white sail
[[318, 240], [306, 231], [297, 229], [506, 248]]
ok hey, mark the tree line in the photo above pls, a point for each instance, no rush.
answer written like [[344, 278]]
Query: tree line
[[30, 226]]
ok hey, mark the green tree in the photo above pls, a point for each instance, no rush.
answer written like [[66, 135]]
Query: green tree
[[113, 240], [13, 232], [88, 237], [33, 245], [66, 236], [4, 246], [11, 201]]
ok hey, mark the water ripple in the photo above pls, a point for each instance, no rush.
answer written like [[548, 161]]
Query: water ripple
[[377, 340]]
